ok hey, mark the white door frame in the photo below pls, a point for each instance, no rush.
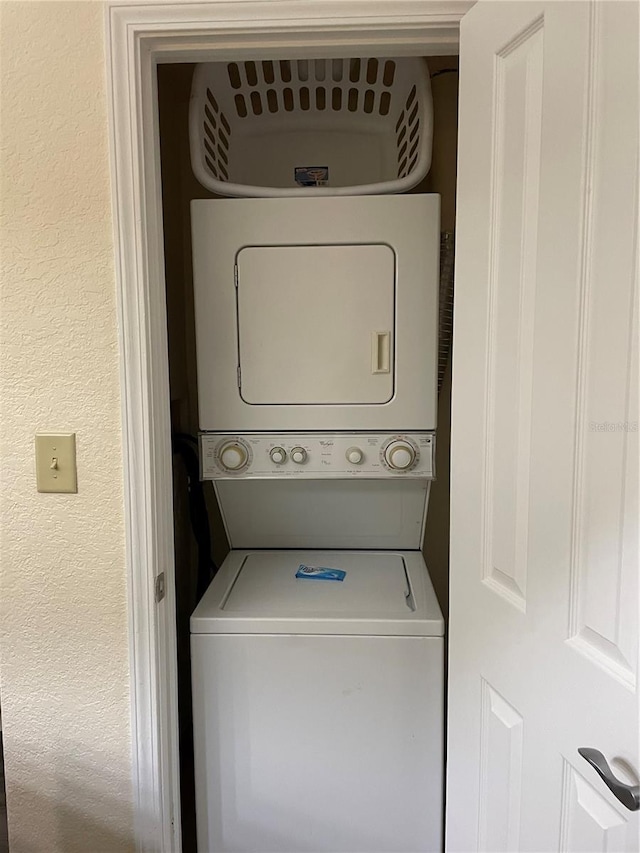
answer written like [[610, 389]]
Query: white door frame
[[140, 35]]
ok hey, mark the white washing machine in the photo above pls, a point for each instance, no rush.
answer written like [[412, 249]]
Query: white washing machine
[[316, 313], [318, 700], [318, 704]]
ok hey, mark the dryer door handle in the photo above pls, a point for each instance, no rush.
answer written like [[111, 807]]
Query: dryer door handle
[[380, 352]]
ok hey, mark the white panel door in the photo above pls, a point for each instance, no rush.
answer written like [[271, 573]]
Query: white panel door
[[544, 516]]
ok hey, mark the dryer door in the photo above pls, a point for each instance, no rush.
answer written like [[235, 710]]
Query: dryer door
[[316, 313], [307, 333]]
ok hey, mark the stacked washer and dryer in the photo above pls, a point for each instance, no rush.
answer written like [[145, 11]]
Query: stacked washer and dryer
[[317, 651]]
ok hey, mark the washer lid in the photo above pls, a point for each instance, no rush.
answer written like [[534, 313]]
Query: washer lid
[[373, 584], [381, 593]]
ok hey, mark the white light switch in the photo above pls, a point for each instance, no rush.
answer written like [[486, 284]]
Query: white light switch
[[56, 462]]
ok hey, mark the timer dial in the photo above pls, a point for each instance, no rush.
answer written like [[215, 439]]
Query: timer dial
[[400, 455], [233, 456]]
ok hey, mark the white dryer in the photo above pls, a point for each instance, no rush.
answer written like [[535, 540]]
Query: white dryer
[[316, 313], [318, 705]]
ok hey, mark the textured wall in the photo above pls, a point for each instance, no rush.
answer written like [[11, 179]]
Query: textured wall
[[63, 643]]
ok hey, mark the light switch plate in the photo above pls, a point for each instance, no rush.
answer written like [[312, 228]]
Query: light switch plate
[[56, 462]]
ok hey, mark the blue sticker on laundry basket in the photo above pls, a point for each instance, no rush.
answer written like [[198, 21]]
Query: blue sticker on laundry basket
[[319, 573], [311, 176]]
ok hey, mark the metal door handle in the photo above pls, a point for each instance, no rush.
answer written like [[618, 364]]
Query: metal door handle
[[629, 795]]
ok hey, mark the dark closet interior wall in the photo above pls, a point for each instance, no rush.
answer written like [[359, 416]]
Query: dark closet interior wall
[[179, 186], [442, 179]]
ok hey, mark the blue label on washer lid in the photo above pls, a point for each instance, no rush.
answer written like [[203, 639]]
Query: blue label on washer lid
[[319, 573], [311, 176]]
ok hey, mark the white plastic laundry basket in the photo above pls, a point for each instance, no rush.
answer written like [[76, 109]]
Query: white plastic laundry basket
[[311, 127]]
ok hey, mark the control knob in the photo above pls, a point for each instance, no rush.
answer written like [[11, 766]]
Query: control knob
[[278, 455], [299, 455], [233, 456], [400, 455], [354, 455]]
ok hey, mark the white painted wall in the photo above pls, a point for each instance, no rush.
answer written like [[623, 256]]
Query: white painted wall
[[63, 625]]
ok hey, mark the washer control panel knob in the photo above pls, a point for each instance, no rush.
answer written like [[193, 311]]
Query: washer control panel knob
[[233, 456], [278, 455], [400, 455], [354, 455], [299, 455]]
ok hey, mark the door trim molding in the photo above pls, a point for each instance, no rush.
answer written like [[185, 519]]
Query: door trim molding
[[139, 35]]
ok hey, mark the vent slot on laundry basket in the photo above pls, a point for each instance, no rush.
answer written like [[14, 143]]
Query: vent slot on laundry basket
[[311, 126]]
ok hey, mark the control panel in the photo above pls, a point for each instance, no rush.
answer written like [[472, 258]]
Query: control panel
[[317, 456]]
